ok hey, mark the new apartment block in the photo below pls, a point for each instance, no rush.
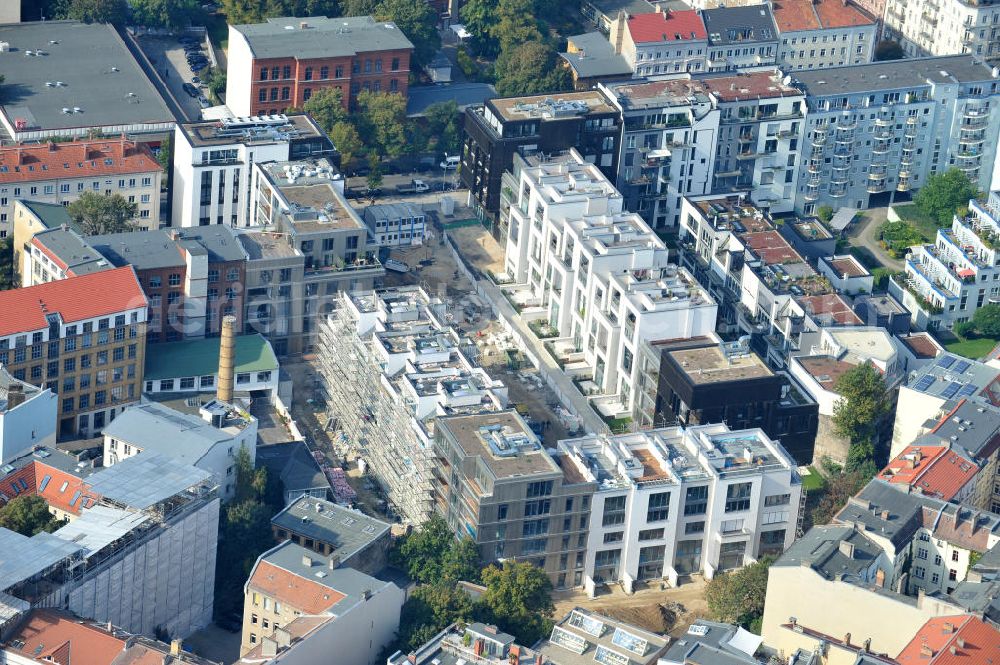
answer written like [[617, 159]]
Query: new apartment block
[[599, 276], [61, 172], [504, 127], [672, 502], [118, 559], [885, 127], [717, 133], [213, 163], [28, 416], [280, 63], [83, 338], [943, 28], [824, 33], [495, 482], [391, 366], [314, 246], [945, 283]]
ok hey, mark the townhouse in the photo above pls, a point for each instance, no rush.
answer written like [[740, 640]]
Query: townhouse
[[666, 41], [825, 33]]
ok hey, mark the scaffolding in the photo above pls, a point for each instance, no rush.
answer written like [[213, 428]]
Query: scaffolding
[[375, 422]]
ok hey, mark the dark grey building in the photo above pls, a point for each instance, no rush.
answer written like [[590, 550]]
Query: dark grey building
[[740, 37]]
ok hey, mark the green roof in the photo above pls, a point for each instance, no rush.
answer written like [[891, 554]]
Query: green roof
[[51, 215], [200, 357]]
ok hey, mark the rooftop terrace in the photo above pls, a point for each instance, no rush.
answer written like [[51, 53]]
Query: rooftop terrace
[[254, 130], [712, 364], [549, 107], [502, 441]]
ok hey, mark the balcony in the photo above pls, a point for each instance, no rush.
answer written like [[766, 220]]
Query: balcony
[[847, 124], [815, 166], [980, 120], [876, 172], [876, 186], [883, 122], [881, 147], [903, 184], [812, 193], [327, 272], [749, 154], [838, 192]]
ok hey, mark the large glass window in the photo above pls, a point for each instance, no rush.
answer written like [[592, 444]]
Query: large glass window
[[614, 511], [696, 501], [738, 497], [658, 509]]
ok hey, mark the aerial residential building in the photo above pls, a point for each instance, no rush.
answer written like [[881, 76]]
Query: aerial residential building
[[117, 561], [389, 358], [953, 639], [58, 253], [884, 311], [290, 585], [602, 12], [304, 204], [708, 642], [538, 125], [210, 442], [83, 337], [298, 470], [357, 540], [396, 224], [601, 275], [76, 80], [917, 349], [213, 163], [592, 59], [28, 416], [702, 381], [674, 502], [666, 41], [740, 37], [61, 172], [582, 636], [846, 274], [809, 236], [945, 283], [874, 129], [280, 63], [687, 136], [937, 470], [825, 33], [495, 482], [953, 26]]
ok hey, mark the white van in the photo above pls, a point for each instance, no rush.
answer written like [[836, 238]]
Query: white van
[[451, 163]]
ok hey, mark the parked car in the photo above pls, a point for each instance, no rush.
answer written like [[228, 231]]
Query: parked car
[[415, 186], [197, 56], [195, 80], [198, 66], [190, 89], [450, 163], [203, 101]]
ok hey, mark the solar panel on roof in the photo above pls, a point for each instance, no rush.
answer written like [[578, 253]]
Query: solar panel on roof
[[967, 390], [924, 383], [946, 362], [962, 366], [950, 391]]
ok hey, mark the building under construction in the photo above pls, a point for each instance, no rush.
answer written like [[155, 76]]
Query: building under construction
[[391, 365]]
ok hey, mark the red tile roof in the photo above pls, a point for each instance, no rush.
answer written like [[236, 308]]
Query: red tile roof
[[33, 476], [795, 15], [74, 299], [672, 26], [78, 159], [954, 640], [934, 470], [63, 639], [304, 595]]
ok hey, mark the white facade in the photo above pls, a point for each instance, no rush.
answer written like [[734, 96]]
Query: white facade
[[932, 27], [396, 224], [31, 422], [239, 73], [673, 502], [945, 283], [828, 47], [598, 275]]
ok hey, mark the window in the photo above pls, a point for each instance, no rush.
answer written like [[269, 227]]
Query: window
[[614, 511], [174, 279], [658, 508], [307, 94], [532, 528], [738, 497], [918, 572], [614, 537], [541, 507], [502, 512], [213, 275], [777, 500], [952, 574], [696, 501], [324, 72], [922, 553], [541, 488], [694, 527], [650, 534], [395, 64], [954, 555], [309, 74]]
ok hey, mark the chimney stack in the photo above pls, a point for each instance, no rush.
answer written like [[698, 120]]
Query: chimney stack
[[175, 647], [15, 395], [227, 359]]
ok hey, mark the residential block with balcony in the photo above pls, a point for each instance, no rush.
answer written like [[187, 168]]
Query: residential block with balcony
[[942, 27]]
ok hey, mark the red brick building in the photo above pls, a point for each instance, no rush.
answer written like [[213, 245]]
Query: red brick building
[[280, 64]]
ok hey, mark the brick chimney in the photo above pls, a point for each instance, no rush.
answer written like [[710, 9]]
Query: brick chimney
[[227, 359]]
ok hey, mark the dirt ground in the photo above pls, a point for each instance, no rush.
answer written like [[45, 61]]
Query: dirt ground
[[669, 611], [478, 247]]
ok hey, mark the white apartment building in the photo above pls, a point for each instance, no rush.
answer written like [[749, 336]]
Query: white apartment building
[[665, 41], [945, 283], [824, 33], [28, 416], [944, 27], [213, 163], [885, 127], [599, 275], [391, 366], [61, 172], [673, 502], [208, 441]]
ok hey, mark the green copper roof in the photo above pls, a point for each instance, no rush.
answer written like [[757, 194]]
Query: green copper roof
[[200, 357]]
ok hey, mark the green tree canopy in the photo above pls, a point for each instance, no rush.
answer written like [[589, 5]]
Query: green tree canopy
[[888, 50], [381, 118], [358, 7], [99, 214], [529, 69], [347, 141], [943, 194], [480, 19], [327, 108], [518, 599], [97, 11], [825, 213], [422, 552], [443, 126], [839, 488], [9, 277], [515, 24], [861, 459], [987, 320], [28, 514], [864, 400], [738, 596], [429, 610], [172, 14], [255, 11], [461, 562], [418, 21], [215, 79]]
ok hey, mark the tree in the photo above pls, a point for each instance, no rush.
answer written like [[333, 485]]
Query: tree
[[422, 552], [28, 514], [738, 596], [529, 69], [172, 14], [381, 119], [518, 598], [839, 488], [327, 108], [8, 271], [375, 174], [347, 141], [861, 459], [418, 21], [944, 193], [987, 320], [515, 24], [825, 213], [442, 120], [889, 50], [99, 214], [358, 7], [964, 328], [863, 402], [461, 562], [255, 11], [215, 79], [428, 611], [97, 11], [251, 483], [480, 19]]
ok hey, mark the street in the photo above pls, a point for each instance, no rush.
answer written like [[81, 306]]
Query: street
[[390, 182]]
